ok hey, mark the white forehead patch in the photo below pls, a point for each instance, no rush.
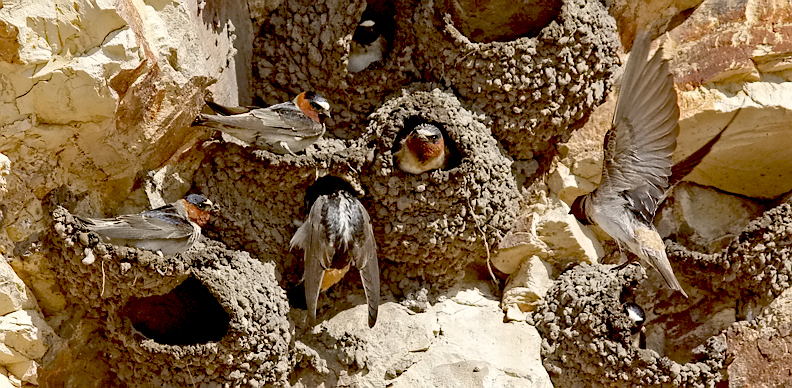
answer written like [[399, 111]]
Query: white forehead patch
[[367, 23], [425, 132], [323, 104], [633, 315]]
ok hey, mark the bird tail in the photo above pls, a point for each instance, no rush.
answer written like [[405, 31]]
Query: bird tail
[[659, 260]]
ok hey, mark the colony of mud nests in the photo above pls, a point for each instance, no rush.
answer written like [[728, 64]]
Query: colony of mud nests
[[532, 88], [209, 315], [587, 339], [427, 226]]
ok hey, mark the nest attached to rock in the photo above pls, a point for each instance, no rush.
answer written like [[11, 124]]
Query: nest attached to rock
[[436, 223], [587, 338], [208, 315]]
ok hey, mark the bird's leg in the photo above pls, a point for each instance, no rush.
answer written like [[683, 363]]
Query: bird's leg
[[286, 147], [623, 258]]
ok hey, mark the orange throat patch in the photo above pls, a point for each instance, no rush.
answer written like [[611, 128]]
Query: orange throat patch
[[305, 107], [332, 276], [425, 151], [196, 215]]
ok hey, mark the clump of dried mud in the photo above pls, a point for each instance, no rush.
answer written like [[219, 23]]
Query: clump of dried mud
[[587, 339], [436, 223], [206, 316]]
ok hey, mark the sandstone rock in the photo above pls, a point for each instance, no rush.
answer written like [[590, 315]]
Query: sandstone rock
[[10, 356], [25, 331], [730, 55], [462, 340], [568, 186], [547, 230], [582, 153], [705, 218], [14, 295], [760, 356], [4, 381], [527, 285], [26, 371], [5, 169]]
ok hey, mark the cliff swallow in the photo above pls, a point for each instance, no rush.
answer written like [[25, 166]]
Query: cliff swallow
[[368, 46], [422, 150], [167, 230], [336, 234], [637, 161], [636, 315], [287, 127]]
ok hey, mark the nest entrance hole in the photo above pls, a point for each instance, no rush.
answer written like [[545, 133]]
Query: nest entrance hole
[[187, 315], [455, 157]]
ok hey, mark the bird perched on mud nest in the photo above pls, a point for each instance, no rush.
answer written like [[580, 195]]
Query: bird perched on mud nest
[[423, 149], [368, 45], [638, 160], [284, 128], [336, 234], [167, 230]]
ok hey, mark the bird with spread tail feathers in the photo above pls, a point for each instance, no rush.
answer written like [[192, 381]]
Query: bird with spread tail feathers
[[336, 234], [167, 230], [284, 128], [638, 160]]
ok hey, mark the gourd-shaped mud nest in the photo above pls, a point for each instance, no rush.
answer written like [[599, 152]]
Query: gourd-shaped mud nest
[[589, 340], [206, 316], [435, 223], [533, 88]]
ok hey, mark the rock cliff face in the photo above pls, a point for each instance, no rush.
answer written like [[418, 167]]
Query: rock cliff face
[[96, 102]]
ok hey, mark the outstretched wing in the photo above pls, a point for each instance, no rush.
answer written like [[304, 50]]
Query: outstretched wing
[[364, 254], [311, 237], [640, 144]]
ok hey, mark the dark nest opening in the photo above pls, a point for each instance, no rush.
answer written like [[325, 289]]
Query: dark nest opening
[[501, 20], [187, 315]]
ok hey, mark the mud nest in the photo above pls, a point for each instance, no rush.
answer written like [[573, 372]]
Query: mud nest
[[532, 87], [587, 338], [208, 315], [435, 223], [261, 196], [305, 45], [758, 263]]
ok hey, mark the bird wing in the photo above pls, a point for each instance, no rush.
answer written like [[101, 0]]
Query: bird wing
[[642, 138], [228, 110], [364, 254], [311, 237], [160, 223]]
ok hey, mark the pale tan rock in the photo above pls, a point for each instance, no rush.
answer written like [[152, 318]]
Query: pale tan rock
[[36, 271], [5, 169], [583, 153], [26, 332], [4, 381], [9, 355], [705, 218], [526, 286], [567, 238], [547, 230], [14, 294], [567, 186], [26, 371]]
